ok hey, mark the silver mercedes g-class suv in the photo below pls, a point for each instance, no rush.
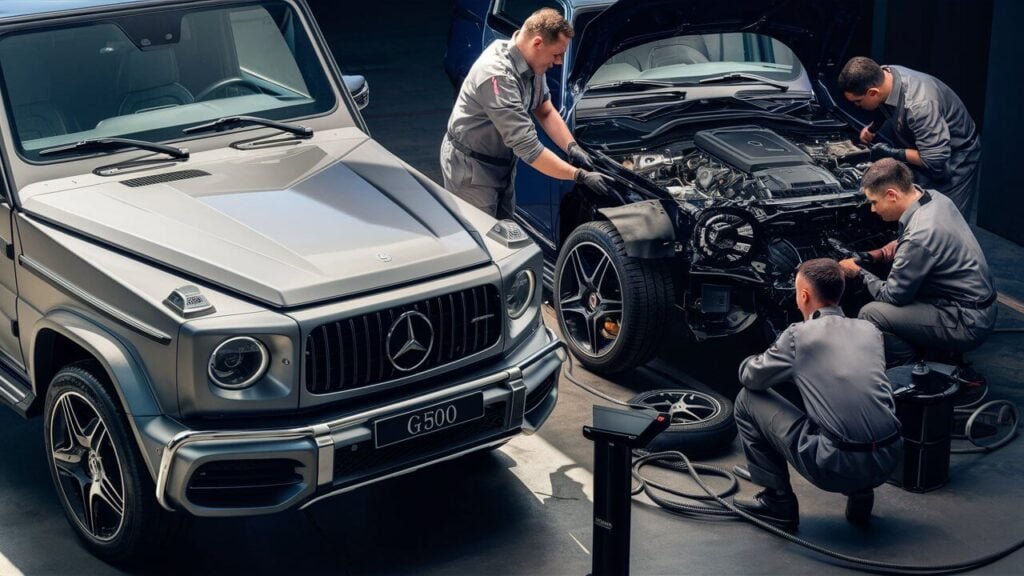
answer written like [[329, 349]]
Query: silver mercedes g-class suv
[[222, 296]]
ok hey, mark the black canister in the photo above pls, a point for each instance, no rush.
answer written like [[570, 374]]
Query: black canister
[[924, 407]]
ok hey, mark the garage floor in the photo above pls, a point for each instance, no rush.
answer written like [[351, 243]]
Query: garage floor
[[526, 509]]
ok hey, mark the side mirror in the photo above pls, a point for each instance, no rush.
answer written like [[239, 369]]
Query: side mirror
[[359, 88]]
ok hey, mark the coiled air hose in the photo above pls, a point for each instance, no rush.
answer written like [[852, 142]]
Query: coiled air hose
[[712, 504]]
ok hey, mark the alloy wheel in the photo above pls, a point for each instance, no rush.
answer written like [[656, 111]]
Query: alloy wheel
[[88, 467], [684, 406], [590, 299]]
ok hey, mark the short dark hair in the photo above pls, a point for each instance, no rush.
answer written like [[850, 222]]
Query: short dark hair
[[549, 24], [887, 173], [826, 278], [860, 74]]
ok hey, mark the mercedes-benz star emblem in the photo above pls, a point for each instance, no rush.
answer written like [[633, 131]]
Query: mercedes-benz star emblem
[[410, 340]]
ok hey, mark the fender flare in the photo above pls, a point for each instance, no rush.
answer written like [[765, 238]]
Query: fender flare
[[130, 381], [645, 227]]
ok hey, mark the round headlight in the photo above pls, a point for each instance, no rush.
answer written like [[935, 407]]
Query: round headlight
[[520, 293], [238, 362]]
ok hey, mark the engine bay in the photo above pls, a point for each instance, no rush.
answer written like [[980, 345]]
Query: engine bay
[[736, 165]]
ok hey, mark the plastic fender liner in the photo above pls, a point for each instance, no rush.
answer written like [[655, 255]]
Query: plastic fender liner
[[645, 227]]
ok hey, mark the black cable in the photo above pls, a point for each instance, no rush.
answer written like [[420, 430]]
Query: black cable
[[1008, 413], [727, 510], [853, 562]]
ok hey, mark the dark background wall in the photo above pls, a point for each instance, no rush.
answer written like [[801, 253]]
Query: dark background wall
[[1001, 205], [975, 46]]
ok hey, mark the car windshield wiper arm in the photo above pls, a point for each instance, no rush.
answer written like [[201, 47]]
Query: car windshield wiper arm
[[117, 144], [634, 84], [732, 76], [231, 121]]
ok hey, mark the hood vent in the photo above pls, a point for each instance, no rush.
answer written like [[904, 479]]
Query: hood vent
[[161, 178]]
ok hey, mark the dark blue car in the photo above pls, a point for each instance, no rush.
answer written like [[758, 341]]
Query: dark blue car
[[732, 164]]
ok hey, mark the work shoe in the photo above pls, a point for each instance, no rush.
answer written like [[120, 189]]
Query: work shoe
[[772, 507], [858, 507], [969, 377], [973, 386]]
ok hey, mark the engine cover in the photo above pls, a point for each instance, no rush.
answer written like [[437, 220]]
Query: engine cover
[[799, 181], [750, 149]]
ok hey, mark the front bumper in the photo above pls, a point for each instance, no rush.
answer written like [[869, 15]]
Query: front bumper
[[249, 472]]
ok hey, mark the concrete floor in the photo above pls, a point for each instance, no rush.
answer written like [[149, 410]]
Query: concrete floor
[[526, 509]]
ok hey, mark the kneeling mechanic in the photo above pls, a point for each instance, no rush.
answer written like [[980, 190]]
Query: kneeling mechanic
[[939, 296], [847, 438]]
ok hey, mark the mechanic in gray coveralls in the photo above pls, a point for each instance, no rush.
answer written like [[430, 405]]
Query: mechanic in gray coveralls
[[491, 124], [932, 129], [939, 295], [847, 438]]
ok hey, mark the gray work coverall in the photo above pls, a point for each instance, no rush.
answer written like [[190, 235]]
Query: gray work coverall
[[939, 294], [848, 439], [928, 116], [490, 126]]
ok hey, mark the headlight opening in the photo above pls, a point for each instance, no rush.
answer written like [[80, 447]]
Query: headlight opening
[[520, 293], [238, 362]]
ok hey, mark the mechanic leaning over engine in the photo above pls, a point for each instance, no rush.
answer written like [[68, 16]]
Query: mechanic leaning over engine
[[932, 128], [938, 297], [491, 124], [847, 439]]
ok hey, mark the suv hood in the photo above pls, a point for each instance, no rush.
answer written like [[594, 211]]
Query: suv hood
[[816, 30], [325, 219]]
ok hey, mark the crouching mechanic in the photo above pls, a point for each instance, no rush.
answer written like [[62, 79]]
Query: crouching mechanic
[[938, 297], [847, 438], [491, 125]]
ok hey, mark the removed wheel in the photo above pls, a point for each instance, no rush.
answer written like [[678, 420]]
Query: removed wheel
[[104, 486], [613, 310], [702, 423]]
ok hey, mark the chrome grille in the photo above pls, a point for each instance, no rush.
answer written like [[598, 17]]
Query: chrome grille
[[351, 353]]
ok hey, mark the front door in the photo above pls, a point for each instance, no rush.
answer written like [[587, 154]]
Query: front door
[[10, 345]]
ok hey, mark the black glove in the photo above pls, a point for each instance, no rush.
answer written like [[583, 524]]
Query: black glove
[[883, 150], [594, 180], [579, 158], [862, 258]]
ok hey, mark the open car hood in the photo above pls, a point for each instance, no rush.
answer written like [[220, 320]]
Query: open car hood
[[817, 31]]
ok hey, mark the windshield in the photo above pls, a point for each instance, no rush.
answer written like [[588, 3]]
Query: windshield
[[690, 59], [148, 76]]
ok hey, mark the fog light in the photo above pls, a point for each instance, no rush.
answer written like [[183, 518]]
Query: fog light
[[520, 293], [238, 362]]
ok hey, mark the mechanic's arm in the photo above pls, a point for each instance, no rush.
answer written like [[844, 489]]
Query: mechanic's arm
[[867, 133], [931, 135], [506, 110], [884, 254], [553, 124], [910, 266], [774, 365]]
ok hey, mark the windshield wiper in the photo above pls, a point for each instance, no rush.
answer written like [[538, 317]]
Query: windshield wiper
[[117, 144], [732, 76], [634, 84], [226, 122]]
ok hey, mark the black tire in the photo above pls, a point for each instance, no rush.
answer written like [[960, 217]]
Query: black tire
[[644, 289], [144, 527], [698, 433]]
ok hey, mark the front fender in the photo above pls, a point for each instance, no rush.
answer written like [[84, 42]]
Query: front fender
[[124, 370]]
